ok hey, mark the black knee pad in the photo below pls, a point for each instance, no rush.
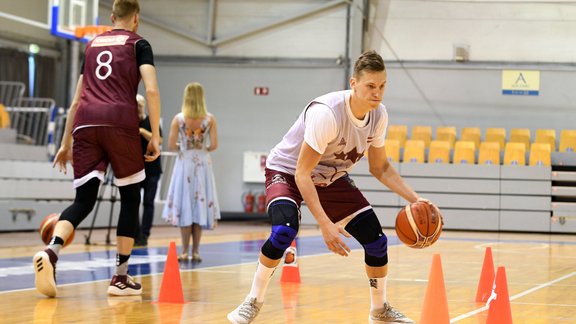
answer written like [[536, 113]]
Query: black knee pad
[[83, 204], [366, 228], [129, 210], [285, 218]]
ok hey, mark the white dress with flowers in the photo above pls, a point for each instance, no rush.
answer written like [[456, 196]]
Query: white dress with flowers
[[192, 192]]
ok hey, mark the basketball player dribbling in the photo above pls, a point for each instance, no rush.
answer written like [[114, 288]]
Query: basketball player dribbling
[[103, 121], [310, 164]]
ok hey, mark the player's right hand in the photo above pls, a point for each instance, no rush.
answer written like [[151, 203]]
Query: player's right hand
[[331, 234], [62, 157]]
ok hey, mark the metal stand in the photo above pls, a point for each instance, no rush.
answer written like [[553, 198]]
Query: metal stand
[[108, 181]]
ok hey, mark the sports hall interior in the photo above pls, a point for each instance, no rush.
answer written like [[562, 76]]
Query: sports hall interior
[[482, 119]]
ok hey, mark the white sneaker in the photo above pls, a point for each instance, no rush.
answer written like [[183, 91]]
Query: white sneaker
[[246, 312], [387, 314], [124, 286], [45, 272]]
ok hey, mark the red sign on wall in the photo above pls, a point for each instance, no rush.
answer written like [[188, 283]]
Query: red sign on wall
[[261, 91]]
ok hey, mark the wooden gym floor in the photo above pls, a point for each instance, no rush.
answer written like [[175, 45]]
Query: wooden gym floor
[[540, 270]]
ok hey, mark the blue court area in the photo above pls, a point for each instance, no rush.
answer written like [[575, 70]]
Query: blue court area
[[18, 273]]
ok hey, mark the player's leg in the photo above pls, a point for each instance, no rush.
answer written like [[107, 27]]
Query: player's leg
[[88, 172], [185, 234], [366, 229], [124, 151], [196, 236], [283, 209]]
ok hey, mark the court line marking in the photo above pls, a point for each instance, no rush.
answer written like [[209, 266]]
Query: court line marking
[[522, 294]]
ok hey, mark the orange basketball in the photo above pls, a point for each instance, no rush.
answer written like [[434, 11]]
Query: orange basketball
[[419, 225], [47, 229]]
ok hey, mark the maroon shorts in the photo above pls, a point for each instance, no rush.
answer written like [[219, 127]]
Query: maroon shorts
[[96, 147], [339, 200]]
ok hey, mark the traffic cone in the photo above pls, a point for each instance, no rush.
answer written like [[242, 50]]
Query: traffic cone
[[290, 292], [290, 270], [171, 288], [435, 308], [498, 304], [486, 277]]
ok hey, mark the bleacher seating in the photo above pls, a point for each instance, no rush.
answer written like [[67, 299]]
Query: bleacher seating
[[413, 151], [439, 152], [423, 133], [546, 136], [540, 154], [392, 150], [397, 132], [496, 135], [520, 135], [471, 134], [567, 140], [446, 133], [515, 153], [464, 153], [489, 153]]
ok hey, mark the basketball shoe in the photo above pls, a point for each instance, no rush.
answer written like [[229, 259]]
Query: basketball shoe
[[387, 314], [45, 272], [124, 286], [246, 312]]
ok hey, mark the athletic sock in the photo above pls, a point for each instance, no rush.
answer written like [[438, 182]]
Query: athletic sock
[[56, 243], [377, 292], [122, 264], [261, 280]]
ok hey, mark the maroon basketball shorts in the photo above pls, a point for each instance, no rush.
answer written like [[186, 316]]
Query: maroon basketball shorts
[[339, 200], [96, 147]]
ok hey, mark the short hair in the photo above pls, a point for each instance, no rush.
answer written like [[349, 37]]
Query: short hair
[[369, 61], [193, 102], [125, 8]]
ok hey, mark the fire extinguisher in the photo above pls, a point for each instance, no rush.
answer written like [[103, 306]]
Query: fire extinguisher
[[248, 201], [261, 206]]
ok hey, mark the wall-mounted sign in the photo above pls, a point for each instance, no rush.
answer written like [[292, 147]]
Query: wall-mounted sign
[[520, 83], [261, 91]]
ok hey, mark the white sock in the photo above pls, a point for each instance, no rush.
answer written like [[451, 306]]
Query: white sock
[[261, 280], [377, 292]]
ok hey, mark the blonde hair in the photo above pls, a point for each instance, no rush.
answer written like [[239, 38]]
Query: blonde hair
[[125, 8], [193, 102]]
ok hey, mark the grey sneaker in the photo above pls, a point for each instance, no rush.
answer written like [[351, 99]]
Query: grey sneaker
[[246, 312], [387, 314]]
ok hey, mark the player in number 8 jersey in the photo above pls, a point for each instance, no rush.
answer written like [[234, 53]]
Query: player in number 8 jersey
[[103, 121]]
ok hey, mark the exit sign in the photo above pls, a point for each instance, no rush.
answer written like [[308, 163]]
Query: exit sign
[[261, 91]]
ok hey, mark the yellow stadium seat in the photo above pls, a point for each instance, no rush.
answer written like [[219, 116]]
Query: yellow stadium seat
[[546, 136], [515, 154], [439, 152], [471, 134], [446, 133], [392, 150], [397, 132], [413, 151], [567, 140], [464, 152], [496, 135], [422, 133], [540, 154], [489, 153], [4, 117], [520, 135]]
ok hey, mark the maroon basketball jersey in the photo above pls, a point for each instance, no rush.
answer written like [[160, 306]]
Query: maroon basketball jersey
[[110, 81]]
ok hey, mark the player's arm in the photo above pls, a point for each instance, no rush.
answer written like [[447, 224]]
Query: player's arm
[[382, 170], [148, 73], [213, 134], [64, 154]]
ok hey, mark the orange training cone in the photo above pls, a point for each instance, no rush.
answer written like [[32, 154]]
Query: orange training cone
[[486, 277], [499, 311], [171, 288], [435, 308], [290, 270]]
